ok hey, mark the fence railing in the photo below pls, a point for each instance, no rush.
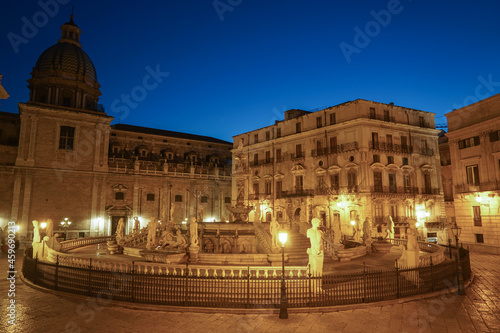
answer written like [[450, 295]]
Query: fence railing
[[249, 288], [74, 243]]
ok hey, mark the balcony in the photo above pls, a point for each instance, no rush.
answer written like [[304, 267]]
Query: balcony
[[427, 151], [297, 193], [430, 191], [319, 152], [297, 156], [390, 147], [394, 189]]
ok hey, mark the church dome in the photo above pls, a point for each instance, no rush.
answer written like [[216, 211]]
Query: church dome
[[64, 75], [67, 58]]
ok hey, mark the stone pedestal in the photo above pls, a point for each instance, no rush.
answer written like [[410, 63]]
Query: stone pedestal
[[193, 254], [316, 264], [381, 247]]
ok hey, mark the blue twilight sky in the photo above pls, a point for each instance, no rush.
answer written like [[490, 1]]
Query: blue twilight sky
[[236, 65]]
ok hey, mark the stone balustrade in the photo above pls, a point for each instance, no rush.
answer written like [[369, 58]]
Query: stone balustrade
[[75, 243]]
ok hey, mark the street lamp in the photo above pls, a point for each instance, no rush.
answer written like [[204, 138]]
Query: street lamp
[[456, 230], [283, 236], [65, 224]]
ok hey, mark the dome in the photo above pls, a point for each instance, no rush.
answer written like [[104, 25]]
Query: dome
[[68, 58]]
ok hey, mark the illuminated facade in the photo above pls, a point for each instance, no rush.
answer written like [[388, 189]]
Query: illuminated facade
[[475, 162], [356, 160], [61, 158]]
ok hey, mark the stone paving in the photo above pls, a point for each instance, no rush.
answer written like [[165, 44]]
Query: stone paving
[[478, 311]]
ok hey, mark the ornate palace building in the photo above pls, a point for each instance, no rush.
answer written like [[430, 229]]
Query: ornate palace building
[[357, 160], [474, 149], [61, 158]]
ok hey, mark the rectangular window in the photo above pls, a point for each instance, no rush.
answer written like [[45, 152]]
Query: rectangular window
[[150, 197], [392, 183], [279, 188], [390, 159], [469, 142], [377, 181], [333, 144], [376, 158], [227, 200], [405, 160], [268, 156], [319, 122], [178, 198], [479, 238], [204, 199], [278, 132], [298, 150], [268, 187], [334, 181], [321, 181], [332, 119], [351, 180], [375, 140], [255, 159], [319, 147], [372, 113], [66, 137], [278, 155], [404, 143], [299, 183], [255, 138], [298, 128], [421, 121], [472, 172], [388, 140], [476, 210], [427, 183], [119, 196], [387, 117], [256, 188], [268, 135], [494, 136], [406, 183], [379, 210]]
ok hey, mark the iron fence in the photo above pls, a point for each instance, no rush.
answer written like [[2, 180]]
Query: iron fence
[[247, 290]]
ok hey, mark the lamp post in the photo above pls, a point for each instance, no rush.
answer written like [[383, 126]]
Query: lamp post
[[65, 224], [456, 230], [283, 236]]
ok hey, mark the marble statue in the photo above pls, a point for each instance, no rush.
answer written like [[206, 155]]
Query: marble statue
[[151, 241], [357, 232], [36, 232], [337, 233], [137, 225], [50, 228], [315, 252], [274, 229], [389, 232], [367, 232], [120, 229], [410, 256], [193, 228], [167, 238], [172, 210]]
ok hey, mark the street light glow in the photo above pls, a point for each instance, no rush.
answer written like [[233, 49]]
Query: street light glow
[[283, 236]]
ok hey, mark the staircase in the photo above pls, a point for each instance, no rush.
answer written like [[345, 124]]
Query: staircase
[[296, 249]]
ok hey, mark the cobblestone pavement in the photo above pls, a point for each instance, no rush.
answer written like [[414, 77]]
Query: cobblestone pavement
[[478, 311]]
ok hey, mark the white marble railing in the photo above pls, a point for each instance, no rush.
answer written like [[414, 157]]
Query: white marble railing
[[75, 243]]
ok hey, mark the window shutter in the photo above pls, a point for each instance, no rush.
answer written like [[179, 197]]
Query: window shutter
[[461, 144]]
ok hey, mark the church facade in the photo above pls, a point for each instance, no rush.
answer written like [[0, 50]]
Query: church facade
[[62, 159]]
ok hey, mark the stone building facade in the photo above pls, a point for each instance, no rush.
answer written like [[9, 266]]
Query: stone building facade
[[474, 145], [357, 160], [64, 159]]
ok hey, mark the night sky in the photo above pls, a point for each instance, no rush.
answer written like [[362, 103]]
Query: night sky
[[235, 65]]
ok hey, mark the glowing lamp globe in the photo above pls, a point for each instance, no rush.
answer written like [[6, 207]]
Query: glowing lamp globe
[[283, 236]]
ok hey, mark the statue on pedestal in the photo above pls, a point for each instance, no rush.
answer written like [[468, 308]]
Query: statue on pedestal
[[120, 230], [137, 225], [193, 229], [151, 242], [389, 232], [274, 228], [367, 232], [316, 250], [50, 228], [36, 232]]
